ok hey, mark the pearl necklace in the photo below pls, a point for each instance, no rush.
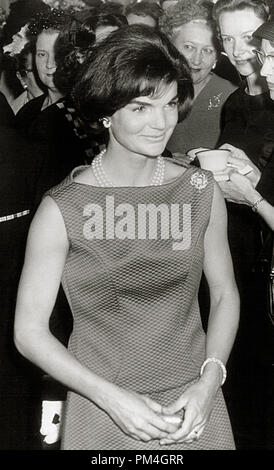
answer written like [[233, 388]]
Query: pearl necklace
[[103, 179]]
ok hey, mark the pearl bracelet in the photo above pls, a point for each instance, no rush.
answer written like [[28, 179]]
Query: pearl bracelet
[[216, 361], [254, 206]]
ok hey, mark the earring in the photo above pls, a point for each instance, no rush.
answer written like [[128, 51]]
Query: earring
[[106, 122], [214, 65]]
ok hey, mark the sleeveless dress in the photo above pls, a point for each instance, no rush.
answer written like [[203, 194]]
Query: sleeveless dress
[[131, 277]]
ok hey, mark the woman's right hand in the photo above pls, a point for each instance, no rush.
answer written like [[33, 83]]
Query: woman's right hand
[[138, 416]]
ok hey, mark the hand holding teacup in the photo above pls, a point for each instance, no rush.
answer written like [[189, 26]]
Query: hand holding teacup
[[243, 176], [227, 163], [242, 164]]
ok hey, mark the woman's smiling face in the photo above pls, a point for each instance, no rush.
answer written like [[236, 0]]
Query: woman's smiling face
[[145, 125], [236, 28]]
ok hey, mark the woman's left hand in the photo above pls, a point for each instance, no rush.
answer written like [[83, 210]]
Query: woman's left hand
[[197, 402]]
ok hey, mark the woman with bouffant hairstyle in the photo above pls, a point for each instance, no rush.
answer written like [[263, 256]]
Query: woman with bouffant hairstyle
[[110, 81], [141, 373]]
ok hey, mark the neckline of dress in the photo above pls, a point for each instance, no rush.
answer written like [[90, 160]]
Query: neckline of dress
[[174, 180]]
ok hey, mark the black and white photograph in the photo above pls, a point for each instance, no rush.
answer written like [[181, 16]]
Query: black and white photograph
[[136, 230]]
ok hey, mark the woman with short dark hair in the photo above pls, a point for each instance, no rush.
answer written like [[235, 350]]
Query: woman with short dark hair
[[107, 85], [141, 373]]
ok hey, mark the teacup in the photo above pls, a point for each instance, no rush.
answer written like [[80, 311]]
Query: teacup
[[213, 160]]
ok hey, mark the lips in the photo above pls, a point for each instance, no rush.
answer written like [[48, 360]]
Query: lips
[[243, 61], [155, 137]]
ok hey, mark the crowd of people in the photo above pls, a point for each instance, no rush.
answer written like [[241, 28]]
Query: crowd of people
[[134, 284]]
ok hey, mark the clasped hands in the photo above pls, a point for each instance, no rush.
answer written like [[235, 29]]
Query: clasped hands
[[144, 419]]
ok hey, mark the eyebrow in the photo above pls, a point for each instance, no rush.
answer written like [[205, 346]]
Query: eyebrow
[[244, 32], [137, 101], [192, 42]]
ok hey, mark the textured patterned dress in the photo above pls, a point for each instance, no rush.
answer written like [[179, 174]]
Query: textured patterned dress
[[131, 277]]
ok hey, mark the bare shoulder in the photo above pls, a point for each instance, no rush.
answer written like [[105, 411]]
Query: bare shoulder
[[84, 175], [173, 170], [48, 209], [48, 224]]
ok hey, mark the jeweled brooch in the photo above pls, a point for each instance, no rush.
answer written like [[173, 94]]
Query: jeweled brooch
[[215, 101], [199, 180]]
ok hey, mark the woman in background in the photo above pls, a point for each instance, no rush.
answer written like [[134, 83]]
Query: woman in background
[[245, 114], [248, 125], [192, 30], [22, 65], [59, 44], [264, 205], [22, 179]]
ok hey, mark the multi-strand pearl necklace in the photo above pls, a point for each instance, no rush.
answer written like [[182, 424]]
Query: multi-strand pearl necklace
[[103, 179]]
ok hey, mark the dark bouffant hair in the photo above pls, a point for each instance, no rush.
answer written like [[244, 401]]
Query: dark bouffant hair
[[70, 49], [132, 61]]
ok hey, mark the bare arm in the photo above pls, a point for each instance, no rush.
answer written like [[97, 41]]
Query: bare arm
[[46, 253], [198, 400], [224, 311]]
